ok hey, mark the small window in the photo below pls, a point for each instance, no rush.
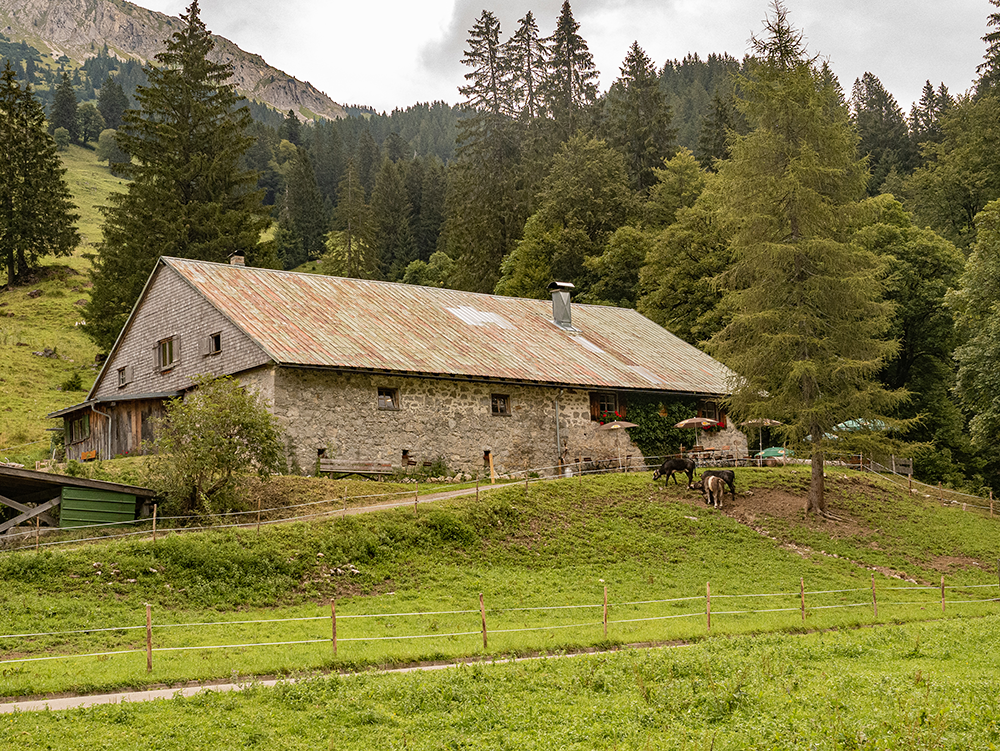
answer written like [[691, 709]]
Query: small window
[[124, 376], [388, 398], [79, 429], [500, 404], [604, 407], [167, 353], [212, 344]]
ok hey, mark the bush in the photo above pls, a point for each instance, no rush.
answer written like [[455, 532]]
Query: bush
[[209, 444]]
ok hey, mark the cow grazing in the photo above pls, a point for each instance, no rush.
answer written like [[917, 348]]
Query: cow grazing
[[715, 488], [670, 466], [726, 475]]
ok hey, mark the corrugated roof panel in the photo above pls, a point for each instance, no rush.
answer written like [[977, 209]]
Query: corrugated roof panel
[[324, 321]]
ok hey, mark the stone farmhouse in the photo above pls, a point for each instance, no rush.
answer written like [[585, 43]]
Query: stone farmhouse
[[392, 373]]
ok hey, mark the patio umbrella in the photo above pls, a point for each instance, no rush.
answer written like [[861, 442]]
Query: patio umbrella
[[761, 423], [618, 425], [696, 422]]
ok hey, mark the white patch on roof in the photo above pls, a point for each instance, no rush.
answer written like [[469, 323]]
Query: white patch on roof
[[475, 317], [587, 344], [646, 373]]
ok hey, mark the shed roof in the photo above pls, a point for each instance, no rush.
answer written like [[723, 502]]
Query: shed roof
[[323, 321]]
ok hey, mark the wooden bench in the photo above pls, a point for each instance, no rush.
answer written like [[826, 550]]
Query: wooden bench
[[347, 467]]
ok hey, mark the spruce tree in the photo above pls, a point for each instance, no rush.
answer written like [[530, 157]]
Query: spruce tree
[[638, 122], [989, 69], [64, 107], [112, 103], [189, 195], [571, 86], [526, 59], [713, 141], [392, 235], [885, 138], [302, 212], [349, 251], [36, 215], [805, 319]]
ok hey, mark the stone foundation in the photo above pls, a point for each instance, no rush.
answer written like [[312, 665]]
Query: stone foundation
[[435, 419]]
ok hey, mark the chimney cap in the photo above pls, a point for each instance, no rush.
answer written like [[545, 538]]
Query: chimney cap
[[237, 258], [553, 286]]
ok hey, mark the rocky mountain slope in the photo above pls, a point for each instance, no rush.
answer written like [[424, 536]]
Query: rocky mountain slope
[[79, 28]]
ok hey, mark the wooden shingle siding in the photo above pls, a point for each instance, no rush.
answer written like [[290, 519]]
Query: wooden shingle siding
[[172, 308]]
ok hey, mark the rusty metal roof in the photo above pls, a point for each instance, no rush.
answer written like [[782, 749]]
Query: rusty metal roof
[[323, 321]]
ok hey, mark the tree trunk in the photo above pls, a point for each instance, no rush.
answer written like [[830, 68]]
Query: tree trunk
[[817, 503]]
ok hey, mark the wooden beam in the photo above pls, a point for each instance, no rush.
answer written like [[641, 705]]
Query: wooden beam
[[21, 507], [30, 514]]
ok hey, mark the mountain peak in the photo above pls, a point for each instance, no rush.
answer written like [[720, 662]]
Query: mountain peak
[[78, 29]]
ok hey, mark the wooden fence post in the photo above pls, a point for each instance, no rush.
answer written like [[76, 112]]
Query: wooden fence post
[[149, 638], [708, 605], [874, 601], [154, 523], [802, 594], [344, 493], [525, 486], [942, 594], [333, 620], [482, 612], [605, 611], [258, 515], [36, 534], [991, 503], [477, 488], [416, 497]]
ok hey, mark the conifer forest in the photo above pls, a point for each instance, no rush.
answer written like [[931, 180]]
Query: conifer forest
[[840, 254]]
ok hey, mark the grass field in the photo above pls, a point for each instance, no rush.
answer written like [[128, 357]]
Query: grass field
[[559, 548], [928, 686]]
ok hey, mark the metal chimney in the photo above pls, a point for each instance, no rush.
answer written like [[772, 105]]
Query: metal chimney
[[562, 314], [238, 258]]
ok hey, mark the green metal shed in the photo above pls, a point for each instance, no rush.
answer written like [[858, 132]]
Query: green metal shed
[[83, 506]]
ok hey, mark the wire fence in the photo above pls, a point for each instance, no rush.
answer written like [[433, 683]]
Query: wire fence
[[612, 622]]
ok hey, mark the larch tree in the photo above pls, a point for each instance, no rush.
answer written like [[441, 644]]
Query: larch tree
[[189, 195], [36, 214], [805, 319], [638, 119]]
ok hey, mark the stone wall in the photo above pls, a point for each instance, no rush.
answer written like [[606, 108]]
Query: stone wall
[[436, 419]]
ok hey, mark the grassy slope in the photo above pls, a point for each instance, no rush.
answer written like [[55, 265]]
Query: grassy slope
[[558, 548], [29, 385]]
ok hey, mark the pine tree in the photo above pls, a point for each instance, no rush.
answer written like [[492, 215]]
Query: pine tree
[[805, 317], [571, 86], [36, 215], [64, 107], [189, 196], [112, 103], [639, 119]]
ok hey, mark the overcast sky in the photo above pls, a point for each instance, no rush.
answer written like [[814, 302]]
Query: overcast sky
[[395, 53]]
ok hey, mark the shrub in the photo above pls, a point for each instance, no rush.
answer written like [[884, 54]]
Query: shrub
[[210, 443]]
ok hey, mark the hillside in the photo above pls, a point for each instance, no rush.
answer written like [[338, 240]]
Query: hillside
[[78, 29], [541, 558], [41, 348]]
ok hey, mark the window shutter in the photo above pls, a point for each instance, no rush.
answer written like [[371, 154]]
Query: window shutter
[[595, 407], [204, 346], [128, 374], [623, 406], [177, 348]]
